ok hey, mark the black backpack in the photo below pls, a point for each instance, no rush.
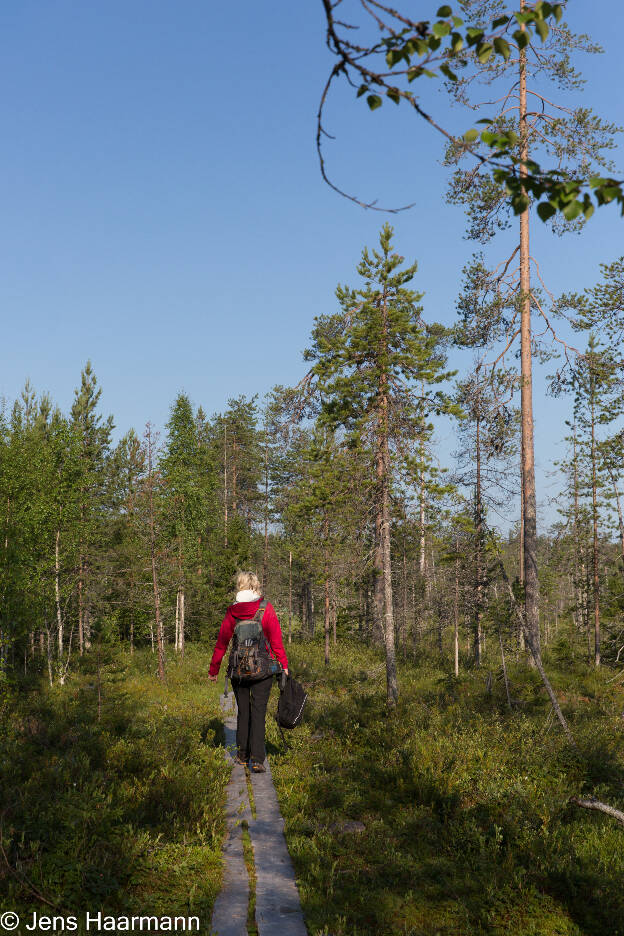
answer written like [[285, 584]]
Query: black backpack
[[250, 658], [291, 702]]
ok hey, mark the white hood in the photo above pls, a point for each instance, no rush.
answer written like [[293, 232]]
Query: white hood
[[247, 595]]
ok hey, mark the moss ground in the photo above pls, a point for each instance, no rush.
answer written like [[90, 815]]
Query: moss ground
[[467, 827], [448, 816]]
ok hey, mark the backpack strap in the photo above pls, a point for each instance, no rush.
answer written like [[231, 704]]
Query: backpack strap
[[260, 611]]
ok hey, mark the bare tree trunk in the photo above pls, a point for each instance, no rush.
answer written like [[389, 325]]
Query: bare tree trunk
[[596, 577], [265, 557], [500, 640], [479, 549], [383, 511], [177, 620], [531, 584], [159, 625], [290, 596], [49, 647], [521, 641], [537, 658], [182, 635], [57, 596], [378, 583], [80, 609], [619, 512], [403, 636], [456, 611], [326, 593], [579, 552], [225, 487]]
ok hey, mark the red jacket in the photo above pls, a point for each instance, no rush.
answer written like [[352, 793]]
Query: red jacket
[[244, 611]]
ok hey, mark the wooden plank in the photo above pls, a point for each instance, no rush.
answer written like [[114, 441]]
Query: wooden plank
[[229, 914], [278, 908]]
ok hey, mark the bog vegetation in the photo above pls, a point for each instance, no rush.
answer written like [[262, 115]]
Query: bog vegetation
[[464, 662]]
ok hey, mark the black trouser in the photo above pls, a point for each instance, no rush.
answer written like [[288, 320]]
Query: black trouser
[[251, 699]]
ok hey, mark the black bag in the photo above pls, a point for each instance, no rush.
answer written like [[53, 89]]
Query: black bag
[[291, 702], [250, 659]]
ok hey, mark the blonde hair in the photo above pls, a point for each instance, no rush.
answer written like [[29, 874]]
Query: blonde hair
[[247, 581]]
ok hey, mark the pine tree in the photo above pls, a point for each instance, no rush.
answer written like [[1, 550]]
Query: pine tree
[[574, 137], [95, 435], [375, 367], [187, 486], [597, 403]]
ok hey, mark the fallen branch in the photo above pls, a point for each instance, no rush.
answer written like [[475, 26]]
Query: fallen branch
[[537, 659], [593, 803]]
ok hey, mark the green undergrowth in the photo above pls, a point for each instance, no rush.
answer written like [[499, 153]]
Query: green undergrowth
[[450, 815], [123, 813]]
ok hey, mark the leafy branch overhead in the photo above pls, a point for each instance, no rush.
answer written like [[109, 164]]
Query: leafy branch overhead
[[408, 49]]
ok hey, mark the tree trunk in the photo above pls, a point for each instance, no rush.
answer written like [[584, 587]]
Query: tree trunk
[[326, 594], [619, 512], [478, 549], [57, 596], [182, 636], [160, 636], [49, 646], [290, 596], [225, 488], [80, 609], [531, 583], [265, 557], [456, 611], [383, 522], [596, 579]]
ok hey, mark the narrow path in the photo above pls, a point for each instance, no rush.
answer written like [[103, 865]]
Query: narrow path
[[229, 914], [278, 909]]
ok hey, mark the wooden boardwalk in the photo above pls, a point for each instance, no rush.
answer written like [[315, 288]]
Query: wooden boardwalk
[[278, 909]]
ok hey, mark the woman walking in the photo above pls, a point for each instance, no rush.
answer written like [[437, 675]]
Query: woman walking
[[251, 697]]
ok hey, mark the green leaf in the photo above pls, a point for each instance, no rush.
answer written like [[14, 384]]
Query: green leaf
[[588, 208], [444, 11], [457, 42], [471, 135], [541, 27], [434, 43], [457, 21], [394, 56], [447, 71], [488, 137], [441, 29], [374, 101], [558, 12], [521, 38], [421, 46], [545, 210], [484, 52], [485, 120], [502, 47], [500, 21], [394, 95], [414, 72], [519, 202], [572, 210]]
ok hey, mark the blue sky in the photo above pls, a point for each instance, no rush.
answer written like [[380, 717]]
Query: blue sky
[[163, 211]]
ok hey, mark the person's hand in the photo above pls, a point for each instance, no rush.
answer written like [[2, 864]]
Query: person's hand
[[212, 678], [286, 671]]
